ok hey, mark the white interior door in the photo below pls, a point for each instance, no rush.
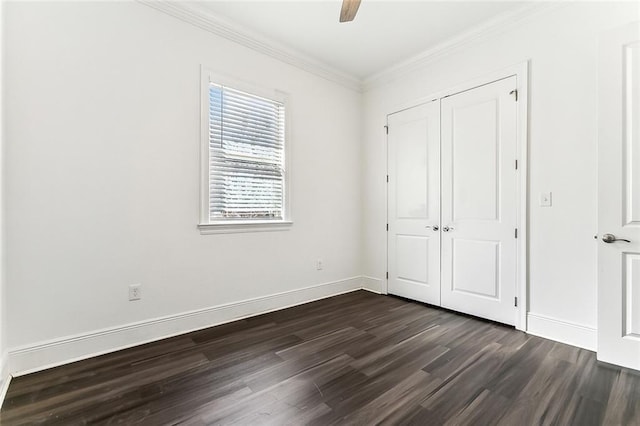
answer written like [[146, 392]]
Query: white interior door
[[479, 201], [619, 198], [414, 203]]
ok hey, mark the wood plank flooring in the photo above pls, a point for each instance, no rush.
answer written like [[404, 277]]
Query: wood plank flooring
[[357, 359]]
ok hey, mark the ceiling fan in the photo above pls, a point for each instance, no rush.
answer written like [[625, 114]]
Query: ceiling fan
[[349, 10]]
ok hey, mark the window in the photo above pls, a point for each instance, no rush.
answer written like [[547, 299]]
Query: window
[[245, 138]]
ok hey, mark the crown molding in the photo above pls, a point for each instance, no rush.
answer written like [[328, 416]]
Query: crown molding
[[193, 14], [201, 18], [499, 24]]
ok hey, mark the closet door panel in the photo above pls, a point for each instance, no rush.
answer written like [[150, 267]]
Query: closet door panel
[[479, 201], [414, 203]]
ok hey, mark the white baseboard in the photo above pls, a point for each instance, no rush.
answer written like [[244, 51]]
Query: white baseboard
[[56, 352], [562, 331], [43, 355], [374, 285], [5, 377]]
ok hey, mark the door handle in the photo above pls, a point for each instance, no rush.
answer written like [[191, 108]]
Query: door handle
[[447, 228], [610, 238], [434, 227]]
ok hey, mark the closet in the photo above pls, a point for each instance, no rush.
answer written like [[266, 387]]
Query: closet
[[453, 201]]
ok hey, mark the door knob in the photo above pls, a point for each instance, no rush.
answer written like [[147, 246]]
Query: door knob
[[610, 238], [447, 228], [434, 227]]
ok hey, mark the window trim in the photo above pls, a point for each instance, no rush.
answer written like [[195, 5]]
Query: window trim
[[205, 225]]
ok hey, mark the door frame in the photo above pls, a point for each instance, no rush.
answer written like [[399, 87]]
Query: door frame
[[521, 72]]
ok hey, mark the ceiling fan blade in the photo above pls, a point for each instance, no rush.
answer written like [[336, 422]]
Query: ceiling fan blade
[[349, 10]]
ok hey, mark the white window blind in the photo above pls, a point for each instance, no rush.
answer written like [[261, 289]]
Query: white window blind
[[246, 156]]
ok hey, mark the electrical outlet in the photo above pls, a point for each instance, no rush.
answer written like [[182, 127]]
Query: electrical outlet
[[319, 264], [135, 292]]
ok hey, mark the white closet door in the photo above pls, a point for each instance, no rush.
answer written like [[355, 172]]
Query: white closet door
[[414, 203], [619, 197], [479, 201]]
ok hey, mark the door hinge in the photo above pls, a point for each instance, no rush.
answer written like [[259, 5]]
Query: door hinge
[[387, 178], [516, 233], [387, 226], [516, 164], [387, 275], [515, 302], [514, 92], [386, 129]]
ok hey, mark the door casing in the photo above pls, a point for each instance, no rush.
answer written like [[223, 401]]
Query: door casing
[[521, 72]]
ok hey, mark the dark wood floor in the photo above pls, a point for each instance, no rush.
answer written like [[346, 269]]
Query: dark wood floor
[[358, 358]]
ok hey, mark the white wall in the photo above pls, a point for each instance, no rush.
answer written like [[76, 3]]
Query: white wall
[[562, 46], [102, 126], [101, 158]]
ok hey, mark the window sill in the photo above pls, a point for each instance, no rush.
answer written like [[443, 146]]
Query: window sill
[[241, 227]]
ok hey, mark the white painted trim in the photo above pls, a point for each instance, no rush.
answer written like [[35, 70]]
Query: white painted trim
[[522, 154], [521, 72], [497, 25], [51, 353], [5, 377], [240, 227], [209, 75], [55, 352], [202, 18], [490, 77], [193, 14], [562, 331], [374, 285]]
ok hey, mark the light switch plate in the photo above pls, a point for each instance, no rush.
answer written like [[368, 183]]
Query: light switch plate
[[545, 199]]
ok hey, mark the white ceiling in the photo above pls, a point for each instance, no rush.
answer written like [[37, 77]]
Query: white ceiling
[[383, 34]]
